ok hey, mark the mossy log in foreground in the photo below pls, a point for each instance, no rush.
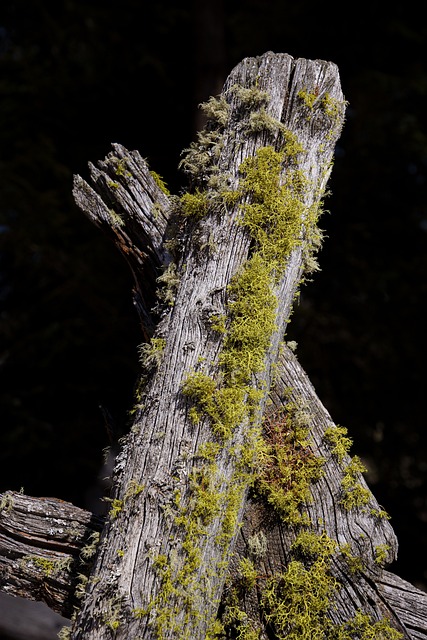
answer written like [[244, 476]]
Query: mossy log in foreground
[[236, 509]]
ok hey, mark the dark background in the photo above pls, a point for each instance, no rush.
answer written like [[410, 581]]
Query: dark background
[[76, 76]]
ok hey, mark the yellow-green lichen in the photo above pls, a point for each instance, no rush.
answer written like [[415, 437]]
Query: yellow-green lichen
[[308, 98], [116, 507], [275, 214], [336, 436], [354, 494], [64, 633], [169, 281], [47, 566], [195, 205], [250, 97], [289, 467], [132, 490], [217, 110], [297, 602], [90, 548], [151, 353], [247, 572], [116, 220], [6, 502], [160, 182], [380, 513], [122, 170], [354, 563], [382, 554], [363, 627]]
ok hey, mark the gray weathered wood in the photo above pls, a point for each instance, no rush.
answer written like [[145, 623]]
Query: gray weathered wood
[[161, 452], [41, 542]]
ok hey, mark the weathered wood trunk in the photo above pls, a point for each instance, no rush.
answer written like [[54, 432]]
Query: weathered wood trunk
[[181, 479], [236, 509]]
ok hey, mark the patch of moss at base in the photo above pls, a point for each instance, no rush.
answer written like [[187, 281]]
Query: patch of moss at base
[[297, 602], [363, 627]]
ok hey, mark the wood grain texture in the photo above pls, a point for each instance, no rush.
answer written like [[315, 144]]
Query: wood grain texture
[[161, 451], [41, 540]]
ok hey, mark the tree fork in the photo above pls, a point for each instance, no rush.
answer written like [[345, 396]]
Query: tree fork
[[180, 483]]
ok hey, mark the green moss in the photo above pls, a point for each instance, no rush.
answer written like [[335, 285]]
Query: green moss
[[288, 468], [195, 205], [198, 160], [112, 615], [235, 622], [332, 107], [219, 323], [382, 554], [116, 507], [116, 220], [380, 513], [354, 495], [275, 214], [169, 281], [252, 309], [46, 566], [310, 545], [90, 548], [209, 451], [363, 627], [354, 563], [151, 353], [341, 444], [121, 169], [248, 573], [296, 603], [309, 99], [160, 182], [217, 110], [250, 97]]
